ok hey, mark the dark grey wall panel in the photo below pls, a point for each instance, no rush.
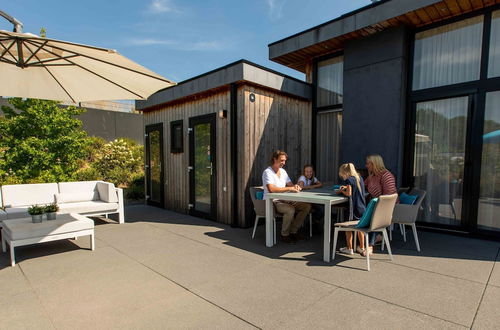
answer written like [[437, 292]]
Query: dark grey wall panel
[[374, 99]]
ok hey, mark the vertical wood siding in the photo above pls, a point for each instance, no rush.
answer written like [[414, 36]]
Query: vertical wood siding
[[273, 121]]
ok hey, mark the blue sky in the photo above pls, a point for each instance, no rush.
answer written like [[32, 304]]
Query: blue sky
[[178, 39]]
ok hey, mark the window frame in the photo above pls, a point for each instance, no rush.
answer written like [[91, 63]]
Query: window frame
[[173, 139]]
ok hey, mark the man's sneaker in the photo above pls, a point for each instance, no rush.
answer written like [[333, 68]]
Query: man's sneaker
[[287, 239], [297, 236], [345, 250]]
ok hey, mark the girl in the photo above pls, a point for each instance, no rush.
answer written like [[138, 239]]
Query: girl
[[354, 188], [308, 181]]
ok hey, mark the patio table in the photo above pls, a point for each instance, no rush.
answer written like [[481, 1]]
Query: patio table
[[325, 196]]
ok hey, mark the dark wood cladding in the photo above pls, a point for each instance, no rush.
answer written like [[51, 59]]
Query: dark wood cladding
[[424, 16]]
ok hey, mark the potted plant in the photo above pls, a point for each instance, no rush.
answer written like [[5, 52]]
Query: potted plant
[[36, 213], [51, 210]]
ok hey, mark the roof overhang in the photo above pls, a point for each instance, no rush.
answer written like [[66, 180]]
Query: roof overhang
[[297, 50]]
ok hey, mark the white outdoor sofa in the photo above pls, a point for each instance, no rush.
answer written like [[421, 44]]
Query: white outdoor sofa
[[88, 198]]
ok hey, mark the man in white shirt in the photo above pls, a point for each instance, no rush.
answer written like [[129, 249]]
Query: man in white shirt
[[276, 180]]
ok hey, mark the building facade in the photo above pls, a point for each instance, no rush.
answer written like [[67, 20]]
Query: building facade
[[417, 82], [209, 138]]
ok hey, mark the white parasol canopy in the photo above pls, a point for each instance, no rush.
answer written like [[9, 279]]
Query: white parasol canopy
[[42, 68]]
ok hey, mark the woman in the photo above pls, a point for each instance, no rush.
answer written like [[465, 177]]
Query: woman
[[379, 182]]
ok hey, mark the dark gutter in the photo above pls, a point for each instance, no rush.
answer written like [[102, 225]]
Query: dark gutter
[[234, 151], [352, 13]]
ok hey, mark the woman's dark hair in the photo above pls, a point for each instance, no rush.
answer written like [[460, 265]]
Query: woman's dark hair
[[277, 154]]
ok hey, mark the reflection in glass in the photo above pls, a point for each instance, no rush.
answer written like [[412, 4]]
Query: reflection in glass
[[328, 133], [202, 168], [448, 54], [489, 193], [439, 158], [330, 80], [494, 58], [155, 166]]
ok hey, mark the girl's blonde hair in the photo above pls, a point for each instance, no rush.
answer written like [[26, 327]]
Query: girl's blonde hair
[[347, 170], [378, 164]]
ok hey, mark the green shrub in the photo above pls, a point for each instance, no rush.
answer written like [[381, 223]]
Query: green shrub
[[135, 190]]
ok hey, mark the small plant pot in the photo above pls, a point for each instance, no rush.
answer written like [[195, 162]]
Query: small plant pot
[[51, 215], [36, 218]]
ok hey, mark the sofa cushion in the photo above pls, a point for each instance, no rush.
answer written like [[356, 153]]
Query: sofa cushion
[[107, 192], [80, 187], [24, 228], [3, 215], [83, 196], [17, 212], [28, 194], [88, 207]]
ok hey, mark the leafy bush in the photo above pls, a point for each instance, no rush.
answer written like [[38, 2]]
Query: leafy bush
[[40, 141], [135, 190], [35, 210]]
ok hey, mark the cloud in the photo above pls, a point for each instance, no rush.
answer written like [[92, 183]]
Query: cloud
[[275, 8], [212, 45], [160, 7]]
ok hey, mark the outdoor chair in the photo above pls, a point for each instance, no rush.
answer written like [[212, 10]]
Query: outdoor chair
[[259, 206], [381, 219], [405, 214]]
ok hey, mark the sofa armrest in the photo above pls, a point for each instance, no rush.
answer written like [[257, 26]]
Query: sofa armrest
[[121, 211]]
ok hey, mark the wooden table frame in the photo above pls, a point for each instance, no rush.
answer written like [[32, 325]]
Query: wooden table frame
[[324, 196]]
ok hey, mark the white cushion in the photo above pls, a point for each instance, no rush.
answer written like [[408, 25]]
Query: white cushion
[[3, 215], [88, 207], [65, 223], [107, 192], [83, 196], [28, 194], [79, 187], [17, 212]]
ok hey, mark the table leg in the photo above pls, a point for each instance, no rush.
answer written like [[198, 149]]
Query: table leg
[[92, 242], [327, 231], [4, 248], [269, 223]]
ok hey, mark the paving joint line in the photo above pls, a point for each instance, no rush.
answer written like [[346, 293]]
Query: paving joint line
[[431, 272], [376, 298], [485, 287], [187, 289], [37, 297]]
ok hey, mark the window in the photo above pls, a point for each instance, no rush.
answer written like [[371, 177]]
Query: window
[[448, 54], [494, 58], [489, 195], [328, 134], [176, 136], [329, 81]]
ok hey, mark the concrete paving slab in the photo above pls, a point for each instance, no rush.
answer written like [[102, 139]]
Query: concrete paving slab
[[23, 311], [488, 315], [12, 280], [495, 274], [263, 295], [451, 263], [103, 294], [344, 309], [423, 291]]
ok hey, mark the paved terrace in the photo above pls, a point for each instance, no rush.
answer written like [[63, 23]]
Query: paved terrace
[[168, 270]]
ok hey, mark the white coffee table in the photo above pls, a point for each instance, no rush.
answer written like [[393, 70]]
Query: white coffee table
[[19, 232]]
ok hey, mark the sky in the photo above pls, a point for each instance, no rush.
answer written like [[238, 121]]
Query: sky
[[178, 39]]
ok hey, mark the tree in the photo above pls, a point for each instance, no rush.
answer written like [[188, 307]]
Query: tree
[[41, 141]]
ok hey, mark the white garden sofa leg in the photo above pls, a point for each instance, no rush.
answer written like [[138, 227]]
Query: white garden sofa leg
[[121, 212]]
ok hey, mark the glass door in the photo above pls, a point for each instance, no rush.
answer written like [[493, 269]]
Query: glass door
[[153, 167], [489, 192], [202, 166], [439, 158]]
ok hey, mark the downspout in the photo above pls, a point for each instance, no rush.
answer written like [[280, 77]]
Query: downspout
[[233, 95]]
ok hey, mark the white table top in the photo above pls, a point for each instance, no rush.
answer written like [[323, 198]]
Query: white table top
[[22, 224], [317, 196]]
